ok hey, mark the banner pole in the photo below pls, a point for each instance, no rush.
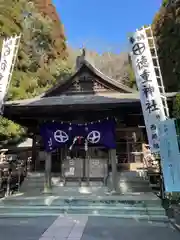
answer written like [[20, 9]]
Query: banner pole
[[162, 189]]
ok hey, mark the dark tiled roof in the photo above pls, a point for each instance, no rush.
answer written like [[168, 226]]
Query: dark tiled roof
[[64, 100]]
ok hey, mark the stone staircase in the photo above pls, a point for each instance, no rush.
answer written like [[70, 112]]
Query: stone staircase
[[130, 182], [112, 206], [33, 183], [92, 200]]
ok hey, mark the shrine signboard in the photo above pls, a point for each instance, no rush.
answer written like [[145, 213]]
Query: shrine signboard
[[73, 168], [147, 84], [170, 155], [98, 168]]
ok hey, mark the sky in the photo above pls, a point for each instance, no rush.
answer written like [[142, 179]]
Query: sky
[[104, 25]]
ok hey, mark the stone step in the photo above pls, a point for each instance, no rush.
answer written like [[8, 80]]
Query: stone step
[[130, 182], [155, 218], [29, 188], [38, 180], [131, 178], [98, 211], [128, 175], [133, 185], [60, 183], [135, 180], [110, 207], [135, 189], [138, 180], [57, 182], [83, 201]]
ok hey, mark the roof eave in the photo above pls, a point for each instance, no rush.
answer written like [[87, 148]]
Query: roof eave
[[123, 96]]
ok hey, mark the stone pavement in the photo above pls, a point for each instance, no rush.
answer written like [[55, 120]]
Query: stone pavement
[[101, 228], [66, 228], [26, 228], [84, 228]]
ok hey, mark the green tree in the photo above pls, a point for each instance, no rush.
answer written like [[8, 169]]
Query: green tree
[[164, 3], [39, 63], [167, 33], [176, 106]]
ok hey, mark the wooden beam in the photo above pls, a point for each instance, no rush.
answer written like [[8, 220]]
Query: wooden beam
[[34, 153]]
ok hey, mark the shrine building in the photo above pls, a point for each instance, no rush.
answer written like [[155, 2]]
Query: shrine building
[[88, 96]]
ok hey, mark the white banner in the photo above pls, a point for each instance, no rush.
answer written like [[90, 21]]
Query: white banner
[[8, 55], [170, 156], [147, 84]]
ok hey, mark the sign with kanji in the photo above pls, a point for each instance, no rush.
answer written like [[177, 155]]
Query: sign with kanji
[[170, 155], [8, 54], [147, 84]]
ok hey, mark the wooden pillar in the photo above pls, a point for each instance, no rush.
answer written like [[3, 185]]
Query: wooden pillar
[[128, 149], [114, 168], [34, 153], [48, 164], [87, 164], [142, 143], [61, 162]]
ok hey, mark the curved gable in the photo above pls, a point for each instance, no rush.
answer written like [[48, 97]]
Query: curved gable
[[87, 80]]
